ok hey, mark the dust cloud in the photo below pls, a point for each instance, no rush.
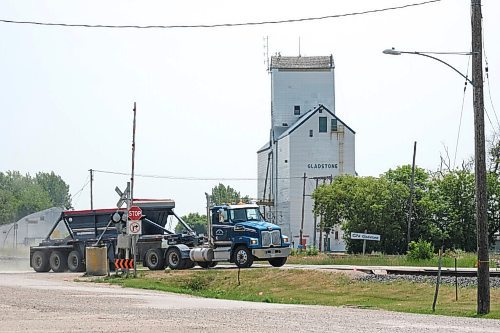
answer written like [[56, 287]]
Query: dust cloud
[[15, 259]]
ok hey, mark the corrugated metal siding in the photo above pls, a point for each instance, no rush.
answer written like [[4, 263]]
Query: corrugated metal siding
[[305, 89]]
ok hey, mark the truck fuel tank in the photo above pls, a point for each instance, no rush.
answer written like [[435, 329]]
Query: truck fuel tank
[[201, 254]]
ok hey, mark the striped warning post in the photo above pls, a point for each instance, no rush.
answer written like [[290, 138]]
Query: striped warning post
[[124, 263]]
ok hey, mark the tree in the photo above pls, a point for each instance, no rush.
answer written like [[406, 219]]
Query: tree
[[225, 195], [57, 189], [21, 195], [196, 221], [365, 203]]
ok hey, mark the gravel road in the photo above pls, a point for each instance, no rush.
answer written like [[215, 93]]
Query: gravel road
[[51, 302]]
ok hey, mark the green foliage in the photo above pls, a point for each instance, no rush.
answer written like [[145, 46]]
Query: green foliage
[[57, 189], [443, 208], [196, 221], [365, 203], [309, 251], [21, 195], [222, 194], [312, 251], [420, 250]]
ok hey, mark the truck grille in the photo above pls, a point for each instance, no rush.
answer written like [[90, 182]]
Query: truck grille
[[271, 238]]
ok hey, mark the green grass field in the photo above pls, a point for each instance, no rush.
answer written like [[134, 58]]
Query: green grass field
[[464, 260], [311, 287]]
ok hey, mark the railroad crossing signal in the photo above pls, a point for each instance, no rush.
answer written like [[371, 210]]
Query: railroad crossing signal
[[124, 196]]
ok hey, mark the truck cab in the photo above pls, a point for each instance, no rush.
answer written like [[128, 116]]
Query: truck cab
[[243, 230]]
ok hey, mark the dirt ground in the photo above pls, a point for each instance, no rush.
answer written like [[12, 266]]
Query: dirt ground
[[54, 302]]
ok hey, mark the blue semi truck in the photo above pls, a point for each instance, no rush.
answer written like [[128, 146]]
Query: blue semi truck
[[236, 233]]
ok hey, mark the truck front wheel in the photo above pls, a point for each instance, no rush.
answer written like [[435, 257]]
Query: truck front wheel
[[243, 257], [40, 262], [58, 261], [277, 262], [154, 260]]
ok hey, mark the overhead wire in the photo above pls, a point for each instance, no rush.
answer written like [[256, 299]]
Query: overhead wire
[[219, 25], [488, 81], [461, 112], [187, 177], [190, 177], [77, 194]]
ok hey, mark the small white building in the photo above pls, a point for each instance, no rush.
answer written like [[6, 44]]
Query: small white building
[[306, 138]]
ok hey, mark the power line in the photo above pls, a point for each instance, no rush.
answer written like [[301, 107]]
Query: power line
[[219, 25], [188, 178], [461, 113], [488, 81]]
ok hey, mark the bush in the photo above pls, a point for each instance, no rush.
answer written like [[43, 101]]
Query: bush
[[420, 250], [312, 251]]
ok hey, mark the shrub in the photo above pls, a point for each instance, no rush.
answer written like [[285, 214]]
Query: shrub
[[312, 251], [420, 250]]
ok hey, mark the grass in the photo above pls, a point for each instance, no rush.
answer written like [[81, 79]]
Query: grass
[[464, 260], [311, 287]]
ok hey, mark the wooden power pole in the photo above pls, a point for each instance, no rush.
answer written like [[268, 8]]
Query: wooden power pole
[[412, 189], [303, 204], [483, 270], [91, 189]]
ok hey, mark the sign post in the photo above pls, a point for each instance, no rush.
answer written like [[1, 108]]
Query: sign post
[[134, 228], [364, 236]]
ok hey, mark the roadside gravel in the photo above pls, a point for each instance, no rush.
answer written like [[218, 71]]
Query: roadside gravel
[[462, 281]]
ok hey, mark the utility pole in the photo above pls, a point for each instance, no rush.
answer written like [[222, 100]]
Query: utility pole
[[483, 270], [315, 217], [303, 204], [133, 158], [91, 189], [135, 238], [412, 189]]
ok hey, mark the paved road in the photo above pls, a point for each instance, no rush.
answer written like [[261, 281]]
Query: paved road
[[51, 302]]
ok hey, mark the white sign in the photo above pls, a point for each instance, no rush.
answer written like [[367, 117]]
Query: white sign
[[357, 235], [134, 227]]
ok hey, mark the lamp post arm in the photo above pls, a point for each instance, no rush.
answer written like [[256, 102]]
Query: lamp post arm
[[443, 62]]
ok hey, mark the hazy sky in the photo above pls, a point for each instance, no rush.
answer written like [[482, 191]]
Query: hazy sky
[[203, 95]]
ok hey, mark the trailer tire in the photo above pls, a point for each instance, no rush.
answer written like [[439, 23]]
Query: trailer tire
[[58, 261], [154, 259], [75, 261], [243, 257], [40, 262], [174, 258], [207, 264], [277, 262]]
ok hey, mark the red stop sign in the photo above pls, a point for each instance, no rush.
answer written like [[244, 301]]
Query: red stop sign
[[134, 213]]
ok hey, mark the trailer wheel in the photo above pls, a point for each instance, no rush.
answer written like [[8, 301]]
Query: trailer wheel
[[174, 258], [277, 262], [154, 260], [75, 262], [40, 262], [58, 261], [207, 264], [243, 257]]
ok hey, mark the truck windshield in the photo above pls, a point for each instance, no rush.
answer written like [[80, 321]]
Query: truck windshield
[[245, 214]]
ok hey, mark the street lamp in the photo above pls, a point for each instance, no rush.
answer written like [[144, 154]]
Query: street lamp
[[483, 272], [392, 51]]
